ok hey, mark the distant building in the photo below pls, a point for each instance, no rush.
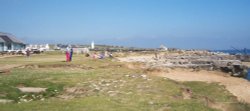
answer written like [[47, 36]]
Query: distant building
[[10, 42], [92, 45], [54, 47], [40, 47], [162, 47], [79, 50]]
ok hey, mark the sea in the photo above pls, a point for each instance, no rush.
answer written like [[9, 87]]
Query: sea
[[234, 52], [248, 75]]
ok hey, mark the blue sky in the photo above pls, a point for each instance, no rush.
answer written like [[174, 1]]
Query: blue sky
[[202, 24]]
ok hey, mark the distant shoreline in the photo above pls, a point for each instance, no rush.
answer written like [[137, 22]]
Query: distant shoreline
[[233, 52]]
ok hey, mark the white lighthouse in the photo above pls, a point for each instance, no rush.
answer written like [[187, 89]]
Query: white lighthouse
[[92, 45]]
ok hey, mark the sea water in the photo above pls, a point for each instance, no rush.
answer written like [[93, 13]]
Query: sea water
[[233, 52], [248, 75]]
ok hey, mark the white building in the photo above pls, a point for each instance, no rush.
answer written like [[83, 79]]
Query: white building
[[40, 47], [162, 47], [81, 50], [92, 45]]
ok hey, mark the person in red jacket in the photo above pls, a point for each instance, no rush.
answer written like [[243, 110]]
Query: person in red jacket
[[67, 55]]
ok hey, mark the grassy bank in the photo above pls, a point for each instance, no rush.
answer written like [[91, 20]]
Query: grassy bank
[[103, 85]]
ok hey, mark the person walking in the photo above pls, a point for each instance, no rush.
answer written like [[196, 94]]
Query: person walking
[[71, 54], [67, 54], [28, 52]]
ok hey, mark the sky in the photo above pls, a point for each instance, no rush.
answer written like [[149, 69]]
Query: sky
[[186, 24]]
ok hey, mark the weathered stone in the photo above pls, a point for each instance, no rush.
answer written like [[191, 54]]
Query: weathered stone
[[32, 89], [5, 101]]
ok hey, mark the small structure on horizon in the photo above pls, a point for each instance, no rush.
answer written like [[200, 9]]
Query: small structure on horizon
[[40, 47], [80, 49], [162, 47], [9, 42], [92, 45]]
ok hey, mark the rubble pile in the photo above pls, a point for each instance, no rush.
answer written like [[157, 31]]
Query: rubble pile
[[195, 60]]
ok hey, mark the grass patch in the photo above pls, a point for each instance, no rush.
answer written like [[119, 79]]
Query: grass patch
[[94, 85], [213, 91]]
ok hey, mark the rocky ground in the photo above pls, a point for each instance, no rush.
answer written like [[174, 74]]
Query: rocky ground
[[237, 86]]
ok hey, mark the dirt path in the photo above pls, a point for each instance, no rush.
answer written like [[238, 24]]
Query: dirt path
[[7, 56], [8, 66], [237, 86]]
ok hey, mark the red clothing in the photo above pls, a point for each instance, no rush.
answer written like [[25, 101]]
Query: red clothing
[[67, 56]]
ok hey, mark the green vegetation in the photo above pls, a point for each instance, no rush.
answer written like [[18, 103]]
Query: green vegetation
[[103, 85]]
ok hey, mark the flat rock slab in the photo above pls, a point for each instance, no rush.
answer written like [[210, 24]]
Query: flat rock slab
[[32, 89], [4, 101]]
